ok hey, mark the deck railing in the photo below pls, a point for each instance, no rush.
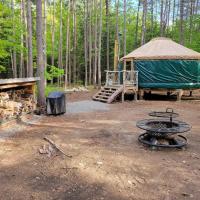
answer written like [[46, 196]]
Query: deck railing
[[126, 78]]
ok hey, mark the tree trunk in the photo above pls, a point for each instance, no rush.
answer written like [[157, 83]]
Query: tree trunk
[[173, 15], [85, 41], [44, 36], [124, 27], [117, 41], [53, 35], [75, 42], [99, 52], [181, 28], [60, 63], [90, 42], [40, 57], [168, 15], [30, 46], [152, 18], [14, 57], [191, 18], [137, 24], [144, 15], [25, 71], [108, 34], [67, 45], [161, 19], [21, 69], [95, 46]]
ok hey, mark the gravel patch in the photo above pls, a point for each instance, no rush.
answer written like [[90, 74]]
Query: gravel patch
[[86, 106]]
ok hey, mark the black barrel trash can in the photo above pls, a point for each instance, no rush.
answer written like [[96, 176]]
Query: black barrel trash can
[[56, 104]]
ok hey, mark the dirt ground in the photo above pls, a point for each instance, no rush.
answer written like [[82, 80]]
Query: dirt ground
[[107, 161]]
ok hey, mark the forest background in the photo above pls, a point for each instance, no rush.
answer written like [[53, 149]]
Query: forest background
[[78, 37]]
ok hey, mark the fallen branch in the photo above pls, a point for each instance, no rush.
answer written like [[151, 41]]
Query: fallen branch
[[56, 147]]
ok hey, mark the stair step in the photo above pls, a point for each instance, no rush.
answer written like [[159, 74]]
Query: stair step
[[106, 94], [99, 99], [110, 89], [107, 91], [102, 96]]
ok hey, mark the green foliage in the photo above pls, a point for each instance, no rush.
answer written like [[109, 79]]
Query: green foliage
[[2, 68], [5, 31], [54, 72]]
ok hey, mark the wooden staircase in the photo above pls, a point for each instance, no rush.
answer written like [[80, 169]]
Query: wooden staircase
[[108, 94]]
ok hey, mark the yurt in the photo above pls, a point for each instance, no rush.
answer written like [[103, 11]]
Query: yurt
[[165, 64]]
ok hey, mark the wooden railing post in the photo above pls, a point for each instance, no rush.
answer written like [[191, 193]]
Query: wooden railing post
[[124, 84], [107, 78]]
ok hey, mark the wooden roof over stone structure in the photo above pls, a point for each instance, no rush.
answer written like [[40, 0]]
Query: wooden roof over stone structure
[[162, 49]]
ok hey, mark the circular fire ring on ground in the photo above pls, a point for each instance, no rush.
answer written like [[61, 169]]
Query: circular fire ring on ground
[[175, 142], [163, 132]]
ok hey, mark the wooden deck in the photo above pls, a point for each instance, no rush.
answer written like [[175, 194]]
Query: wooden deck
[[118, 83]]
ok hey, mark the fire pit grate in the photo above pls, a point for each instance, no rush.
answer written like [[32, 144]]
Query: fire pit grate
[[168, 114], [163, 132]]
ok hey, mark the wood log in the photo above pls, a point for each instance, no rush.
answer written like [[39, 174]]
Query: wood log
[[13, 103], [56, 147]]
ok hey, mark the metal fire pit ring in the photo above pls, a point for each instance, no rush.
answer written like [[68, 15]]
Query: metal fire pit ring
[[163, 127], [180, 142], [167, 114]]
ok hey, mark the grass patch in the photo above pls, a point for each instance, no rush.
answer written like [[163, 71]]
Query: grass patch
[[53, 88]]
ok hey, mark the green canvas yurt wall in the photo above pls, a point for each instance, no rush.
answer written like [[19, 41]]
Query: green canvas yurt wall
[[170, 74], [163, 63]]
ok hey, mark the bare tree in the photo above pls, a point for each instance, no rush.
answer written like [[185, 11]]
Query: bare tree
[[40, 57]]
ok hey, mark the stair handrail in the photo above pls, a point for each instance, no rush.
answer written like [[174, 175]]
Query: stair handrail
[[113, 77], [123, 77]]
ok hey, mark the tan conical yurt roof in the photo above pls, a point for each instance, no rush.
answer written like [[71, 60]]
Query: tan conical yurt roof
[[162, 49]]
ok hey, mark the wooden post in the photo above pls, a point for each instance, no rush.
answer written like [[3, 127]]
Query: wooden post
[[141, 94], [123, 93], [179, 94], [116, 52], [124, 81], [135, 95], [34, 95], [107, 78], [132, 65]]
